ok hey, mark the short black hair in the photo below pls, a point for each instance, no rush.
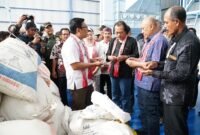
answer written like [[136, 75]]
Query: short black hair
[[4, 35], [64, 29], [126, 27], [75, 23], [30, 25], [178, 12], [139, 36], [57, 34], [102, 27]]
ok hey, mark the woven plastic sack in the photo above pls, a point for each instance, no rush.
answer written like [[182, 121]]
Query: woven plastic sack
[[18, 74]]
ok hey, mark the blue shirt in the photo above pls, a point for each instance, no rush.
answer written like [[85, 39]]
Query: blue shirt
[[156, 52]]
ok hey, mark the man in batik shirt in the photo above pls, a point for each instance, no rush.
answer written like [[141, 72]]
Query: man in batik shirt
[[58, 70]]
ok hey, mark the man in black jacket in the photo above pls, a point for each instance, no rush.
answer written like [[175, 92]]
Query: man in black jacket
[[179, 73], [121, 48]]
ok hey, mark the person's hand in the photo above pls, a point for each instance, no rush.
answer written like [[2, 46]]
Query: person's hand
[[98, 63], [112, 58], [36, 39], [21, 20], [151, 65], [97, 59], [133, 62], [147, 72], [128, 62], [143, 65], [132, 58], [122, 58]]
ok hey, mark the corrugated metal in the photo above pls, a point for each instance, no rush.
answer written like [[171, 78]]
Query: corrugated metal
[[165, 4], [115, 10], [146, 7], [168, 3]]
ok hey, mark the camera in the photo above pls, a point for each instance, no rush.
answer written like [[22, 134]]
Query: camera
[[44, 39], [30, 17]]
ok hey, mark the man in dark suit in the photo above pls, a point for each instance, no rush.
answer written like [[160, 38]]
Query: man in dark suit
[[179, 73]]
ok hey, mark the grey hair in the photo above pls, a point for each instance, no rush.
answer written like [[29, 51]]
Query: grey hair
[[177, 12]]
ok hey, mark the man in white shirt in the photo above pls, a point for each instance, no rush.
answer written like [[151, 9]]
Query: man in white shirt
[[103, 48], [77, 65]]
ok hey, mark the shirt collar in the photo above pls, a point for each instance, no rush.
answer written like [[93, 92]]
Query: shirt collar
[[80, 41], [106, 42], [177, 37], [150, 37]]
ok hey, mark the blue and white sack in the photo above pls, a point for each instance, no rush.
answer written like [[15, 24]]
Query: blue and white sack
[[18, 69]]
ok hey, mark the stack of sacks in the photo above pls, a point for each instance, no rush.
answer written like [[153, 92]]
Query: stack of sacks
[[99, 119], [28, 92], [47, 108]]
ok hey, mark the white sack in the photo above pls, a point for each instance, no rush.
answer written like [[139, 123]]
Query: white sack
[[25, 127], [48, 108], [54, 89], [104, 102], [66, 119], [96, 112], [15, 109], [18, 74], [57, 119], [80, 126], [44, 72]]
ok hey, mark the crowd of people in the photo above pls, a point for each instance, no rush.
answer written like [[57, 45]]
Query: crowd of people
[[160, 65]]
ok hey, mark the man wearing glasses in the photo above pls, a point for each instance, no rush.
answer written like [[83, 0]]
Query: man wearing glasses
[[77, 65], [58, 69]]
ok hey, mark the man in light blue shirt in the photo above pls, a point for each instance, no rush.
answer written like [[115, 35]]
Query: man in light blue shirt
[[154, 49]]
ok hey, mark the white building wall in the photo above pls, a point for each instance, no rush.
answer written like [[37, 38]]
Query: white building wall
[[110, 11], [58, 12], [107, 13]]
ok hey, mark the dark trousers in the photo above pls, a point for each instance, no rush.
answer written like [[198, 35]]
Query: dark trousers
[[62, 85], [150, 111], [96, 84], [80, 98], [175, 120], [105, 80]]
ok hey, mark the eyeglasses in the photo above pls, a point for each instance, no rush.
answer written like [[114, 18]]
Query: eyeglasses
[[65, 34]]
